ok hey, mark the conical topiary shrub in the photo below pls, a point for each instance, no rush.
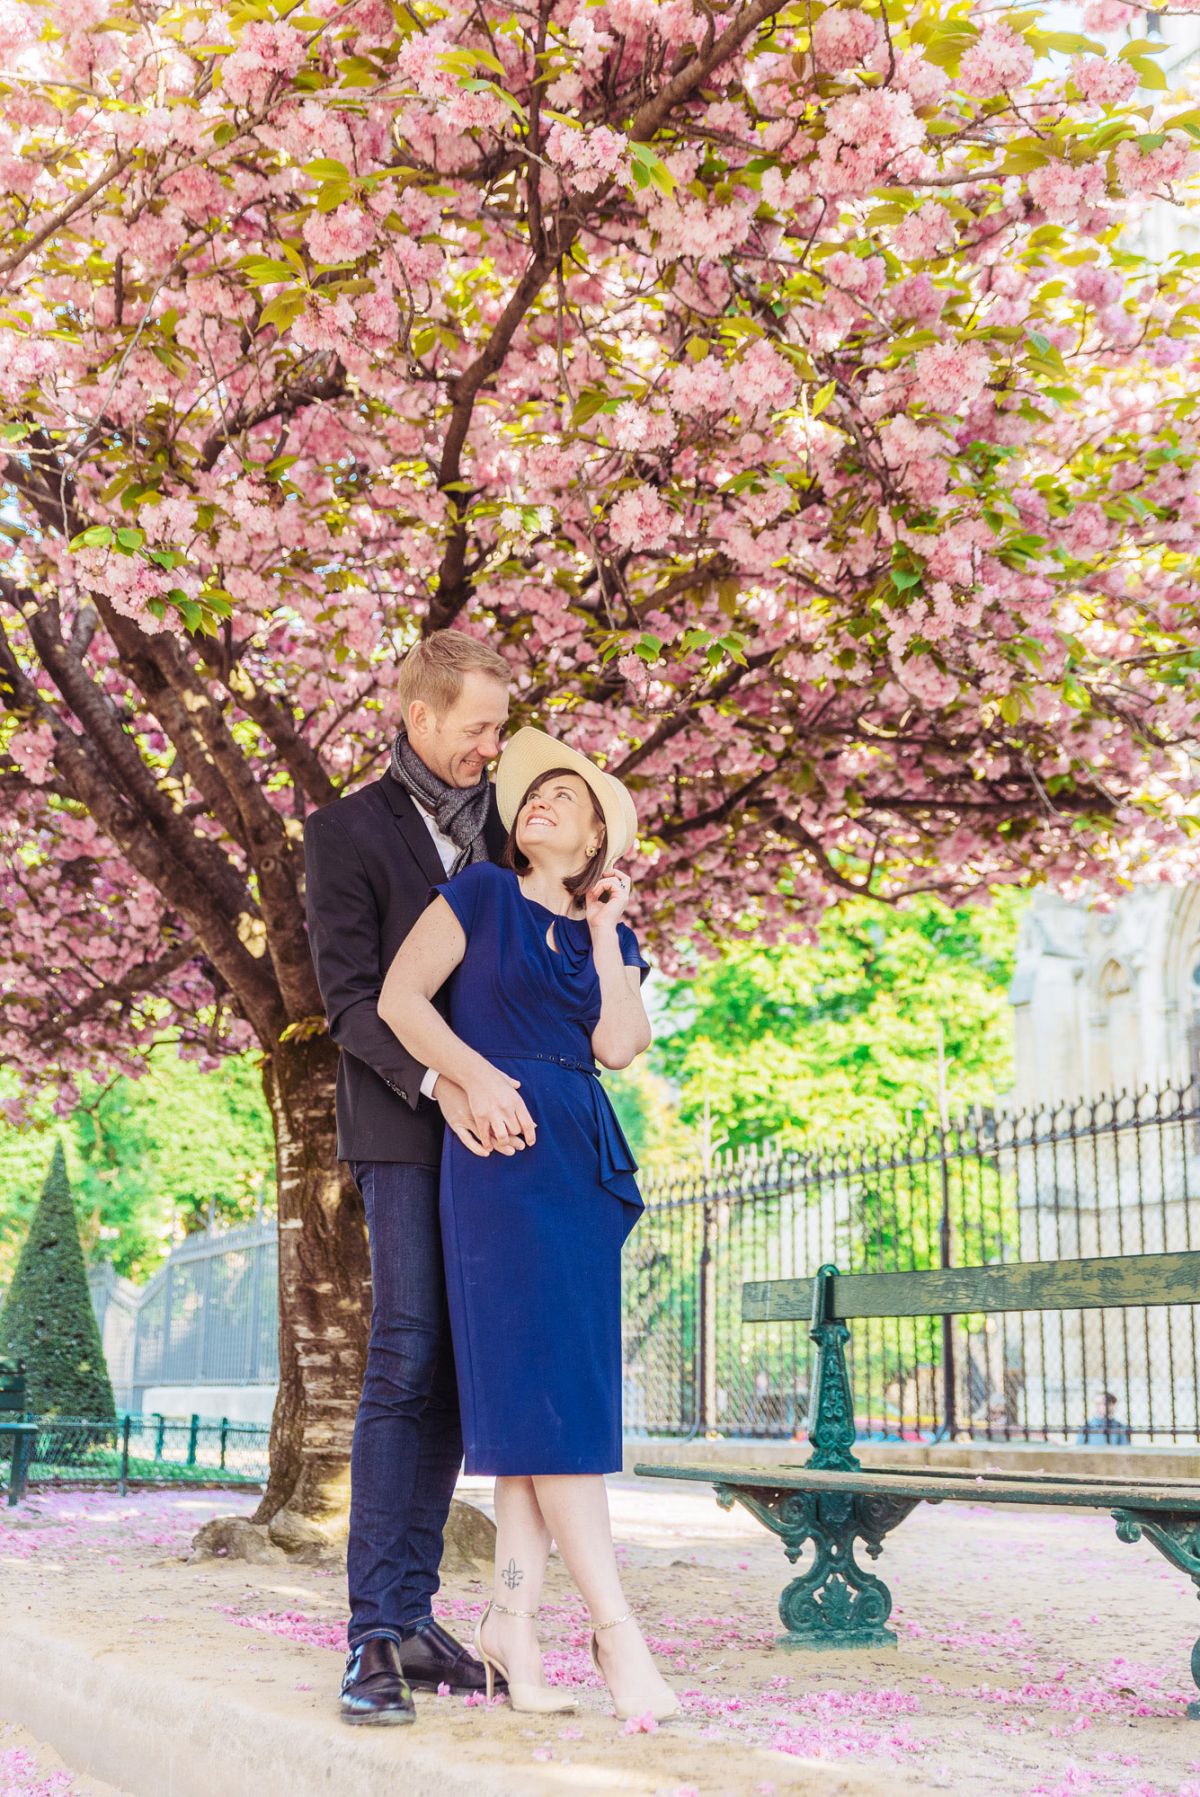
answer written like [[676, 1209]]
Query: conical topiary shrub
[[48, 1320]]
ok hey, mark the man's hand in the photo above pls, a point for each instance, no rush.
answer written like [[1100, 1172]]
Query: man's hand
[[452, 1102]]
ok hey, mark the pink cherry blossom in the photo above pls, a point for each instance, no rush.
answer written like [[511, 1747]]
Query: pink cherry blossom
[[588, 158], [640, 519], [1102, 82], [340, 236], [843, 38], [949, 374], [266, 53], [998, 60]]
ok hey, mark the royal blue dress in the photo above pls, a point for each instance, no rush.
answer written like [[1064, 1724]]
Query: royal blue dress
[[533, 1240]]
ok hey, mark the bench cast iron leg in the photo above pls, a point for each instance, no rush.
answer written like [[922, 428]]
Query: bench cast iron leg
[[1177, 1536], [22, 1456], [835, 1603]]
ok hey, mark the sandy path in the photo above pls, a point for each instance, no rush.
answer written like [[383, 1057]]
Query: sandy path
[[1037, 1654]]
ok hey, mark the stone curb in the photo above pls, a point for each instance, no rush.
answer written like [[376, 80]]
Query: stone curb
[[150, 1738], [159, 1736]]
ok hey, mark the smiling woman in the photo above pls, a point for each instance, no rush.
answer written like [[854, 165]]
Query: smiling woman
[[559, 806]]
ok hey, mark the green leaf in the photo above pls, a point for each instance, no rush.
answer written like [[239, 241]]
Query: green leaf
[[96, 536], [1113, 131], [649, 170], [946, 42], [904, 578], [1067, 43], [263, 270], [327, 168], [591, 401], [281, 311], [1149, 74], [130, 538], [331, 196]]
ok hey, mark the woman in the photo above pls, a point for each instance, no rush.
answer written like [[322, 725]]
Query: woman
[[536, 1206]]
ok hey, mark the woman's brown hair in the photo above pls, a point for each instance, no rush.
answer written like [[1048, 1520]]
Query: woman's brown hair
[[578, 883]]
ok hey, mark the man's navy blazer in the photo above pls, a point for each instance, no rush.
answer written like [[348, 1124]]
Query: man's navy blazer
[[369, 864]]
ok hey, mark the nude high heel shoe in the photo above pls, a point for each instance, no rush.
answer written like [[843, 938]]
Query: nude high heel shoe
[[666, 1714], [536, 1700]]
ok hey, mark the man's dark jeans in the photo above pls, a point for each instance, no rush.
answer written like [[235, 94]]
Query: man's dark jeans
[[407, 1436]]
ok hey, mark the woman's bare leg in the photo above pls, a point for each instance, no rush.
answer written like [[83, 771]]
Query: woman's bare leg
[[522, 1547], [575, 1508]]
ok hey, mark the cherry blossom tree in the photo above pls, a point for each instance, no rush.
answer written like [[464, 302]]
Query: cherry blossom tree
[[781, 387]]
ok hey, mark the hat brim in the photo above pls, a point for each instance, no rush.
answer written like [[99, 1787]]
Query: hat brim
[[531, 752]]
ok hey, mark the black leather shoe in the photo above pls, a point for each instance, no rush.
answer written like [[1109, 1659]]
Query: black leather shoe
[[374, 1688], [431, 1657]]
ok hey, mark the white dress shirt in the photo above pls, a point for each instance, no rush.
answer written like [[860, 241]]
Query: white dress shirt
[[447, 854]]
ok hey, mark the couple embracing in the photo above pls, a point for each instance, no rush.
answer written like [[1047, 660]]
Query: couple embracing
[[474, 966]]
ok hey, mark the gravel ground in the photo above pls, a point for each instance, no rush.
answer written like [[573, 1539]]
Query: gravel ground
[[1037, 1655]]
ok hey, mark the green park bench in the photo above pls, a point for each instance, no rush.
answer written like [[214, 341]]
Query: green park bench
[[831, 1500], [12, 1422]]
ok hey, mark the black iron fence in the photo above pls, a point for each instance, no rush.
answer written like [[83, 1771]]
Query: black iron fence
[[146, 1450], [1118, 1176]]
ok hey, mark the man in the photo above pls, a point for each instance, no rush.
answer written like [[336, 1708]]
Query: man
[[1105, 1430], [370, 861]]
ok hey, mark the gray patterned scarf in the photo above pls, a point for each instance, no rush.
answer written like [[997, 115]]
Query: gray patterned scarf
[[459, 812]]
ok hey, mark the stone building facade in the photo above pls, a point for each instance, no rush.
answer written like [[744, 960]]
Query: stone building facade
[[1107, 1001], [1106, 1007]]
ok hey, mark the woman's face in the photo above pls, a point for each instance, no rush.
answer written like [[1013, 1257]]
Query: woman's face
[[557, 818]]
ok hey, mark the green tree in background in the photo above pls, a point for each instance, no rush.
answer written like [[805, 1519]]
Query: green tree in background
[[47, 1320], [147, 1156], [839, 1040]]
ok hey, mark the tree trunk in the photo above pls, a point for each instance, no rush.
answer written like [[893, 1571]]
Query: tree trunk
[[324, 1289]]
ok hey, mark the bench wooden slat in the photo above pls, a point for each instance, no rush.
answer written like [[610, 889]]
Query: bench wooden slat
[[1123, 1279], [964, 1488]]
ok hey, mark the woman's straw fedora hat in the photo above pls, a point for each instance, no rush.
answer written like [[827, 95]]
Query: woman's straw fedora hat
[[530, 753]]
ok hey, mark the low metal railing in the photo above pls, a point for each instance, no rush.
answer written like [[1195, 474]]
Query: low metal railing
[[137, 1450]]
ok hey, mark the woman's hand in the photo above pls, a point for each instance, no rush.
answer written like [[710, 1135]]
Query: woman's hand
[[607, 899], [498, 1114]]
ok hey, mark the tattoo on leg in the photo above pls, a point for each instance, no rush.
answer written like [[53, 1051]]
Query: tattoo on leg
[[512, 1575]]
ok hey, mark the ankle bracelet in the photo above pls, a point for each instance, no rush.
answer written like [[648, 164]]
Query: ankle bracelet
[[598, 1627], [504, 1610]]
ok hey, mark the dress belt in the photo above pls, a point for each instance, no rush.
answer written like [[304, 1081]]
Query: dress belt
[[572, 1062], [617, 1163]]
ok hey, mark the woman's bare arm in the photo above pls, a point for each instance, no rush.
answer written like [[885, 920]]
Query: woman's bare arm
[[623, 1031], [423, 963]]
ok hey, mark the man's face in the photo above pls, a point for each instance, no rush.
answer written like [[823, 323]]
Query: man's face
[[459, 745]]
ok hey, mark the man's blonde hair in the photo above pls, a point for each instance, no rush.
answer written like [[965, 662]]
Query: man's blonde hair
[[433, 669]]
